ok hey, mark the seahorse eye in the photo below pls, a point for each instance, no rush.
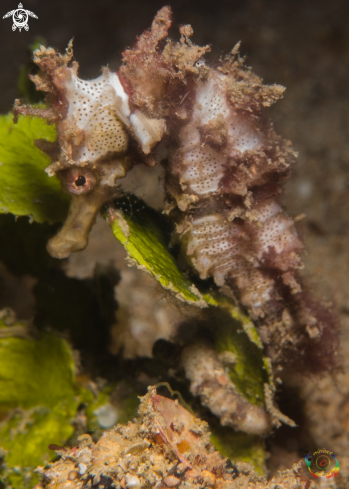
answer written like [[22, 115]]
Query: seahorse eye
[[78, 180]]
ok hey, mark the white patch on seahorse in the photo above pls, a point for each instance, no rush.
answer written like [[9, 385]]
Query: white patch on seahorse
[[100, 108], [147, 131], [205, 165]]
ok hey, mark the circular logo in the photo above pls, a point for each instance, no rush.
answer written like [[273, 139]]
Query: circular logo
[[20, 17], [322, 463]]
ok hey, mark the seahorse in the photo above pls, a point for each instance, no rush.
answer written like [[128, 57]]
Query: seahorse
[[225, 167]]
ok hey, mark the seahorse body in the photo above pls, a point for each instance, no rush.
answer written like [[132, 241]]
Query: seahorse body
[[224, 166], [219, 175]]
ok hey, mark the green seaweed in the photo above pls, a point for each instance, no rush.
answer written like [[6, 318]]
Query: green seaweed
[[27, 434], [38, 399], [248, 373], [25, 189], [235, 333], [238, 446], [146, 244], [35, 372]]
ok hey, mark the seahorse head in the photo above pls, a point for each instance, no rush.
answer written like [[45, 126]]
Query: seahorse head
[[92, 149]]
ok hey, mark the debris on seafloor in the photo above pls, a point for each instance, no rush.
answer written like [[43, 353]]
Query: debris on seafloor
[[166, 447]]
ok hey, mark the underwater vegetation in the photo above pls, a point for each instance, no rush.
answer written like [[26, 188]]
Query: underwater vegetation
[[223, 256]]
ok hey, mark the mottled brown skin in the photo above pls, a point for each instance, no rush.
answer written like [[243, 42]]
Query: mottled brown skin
[[225, 168], [267, 254]]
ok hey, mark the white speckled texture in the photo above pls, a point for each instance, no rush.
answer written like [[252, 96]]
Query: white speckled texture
[[97, 107]]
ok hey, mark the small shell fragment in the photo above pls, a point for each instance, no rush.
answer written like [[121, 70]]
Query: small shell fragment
[[208, 478], [137, 448], [82, 469], [132, 481], [172, 481], [73, 474]]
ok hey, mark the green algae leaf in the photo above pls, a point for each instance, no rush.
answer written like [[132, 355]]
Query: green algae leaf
[[239, 447], [38, 399], [35, 372], [26, 434], [236, 334], [248, 372], [145, 241], [25, 189], [237, 314]]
